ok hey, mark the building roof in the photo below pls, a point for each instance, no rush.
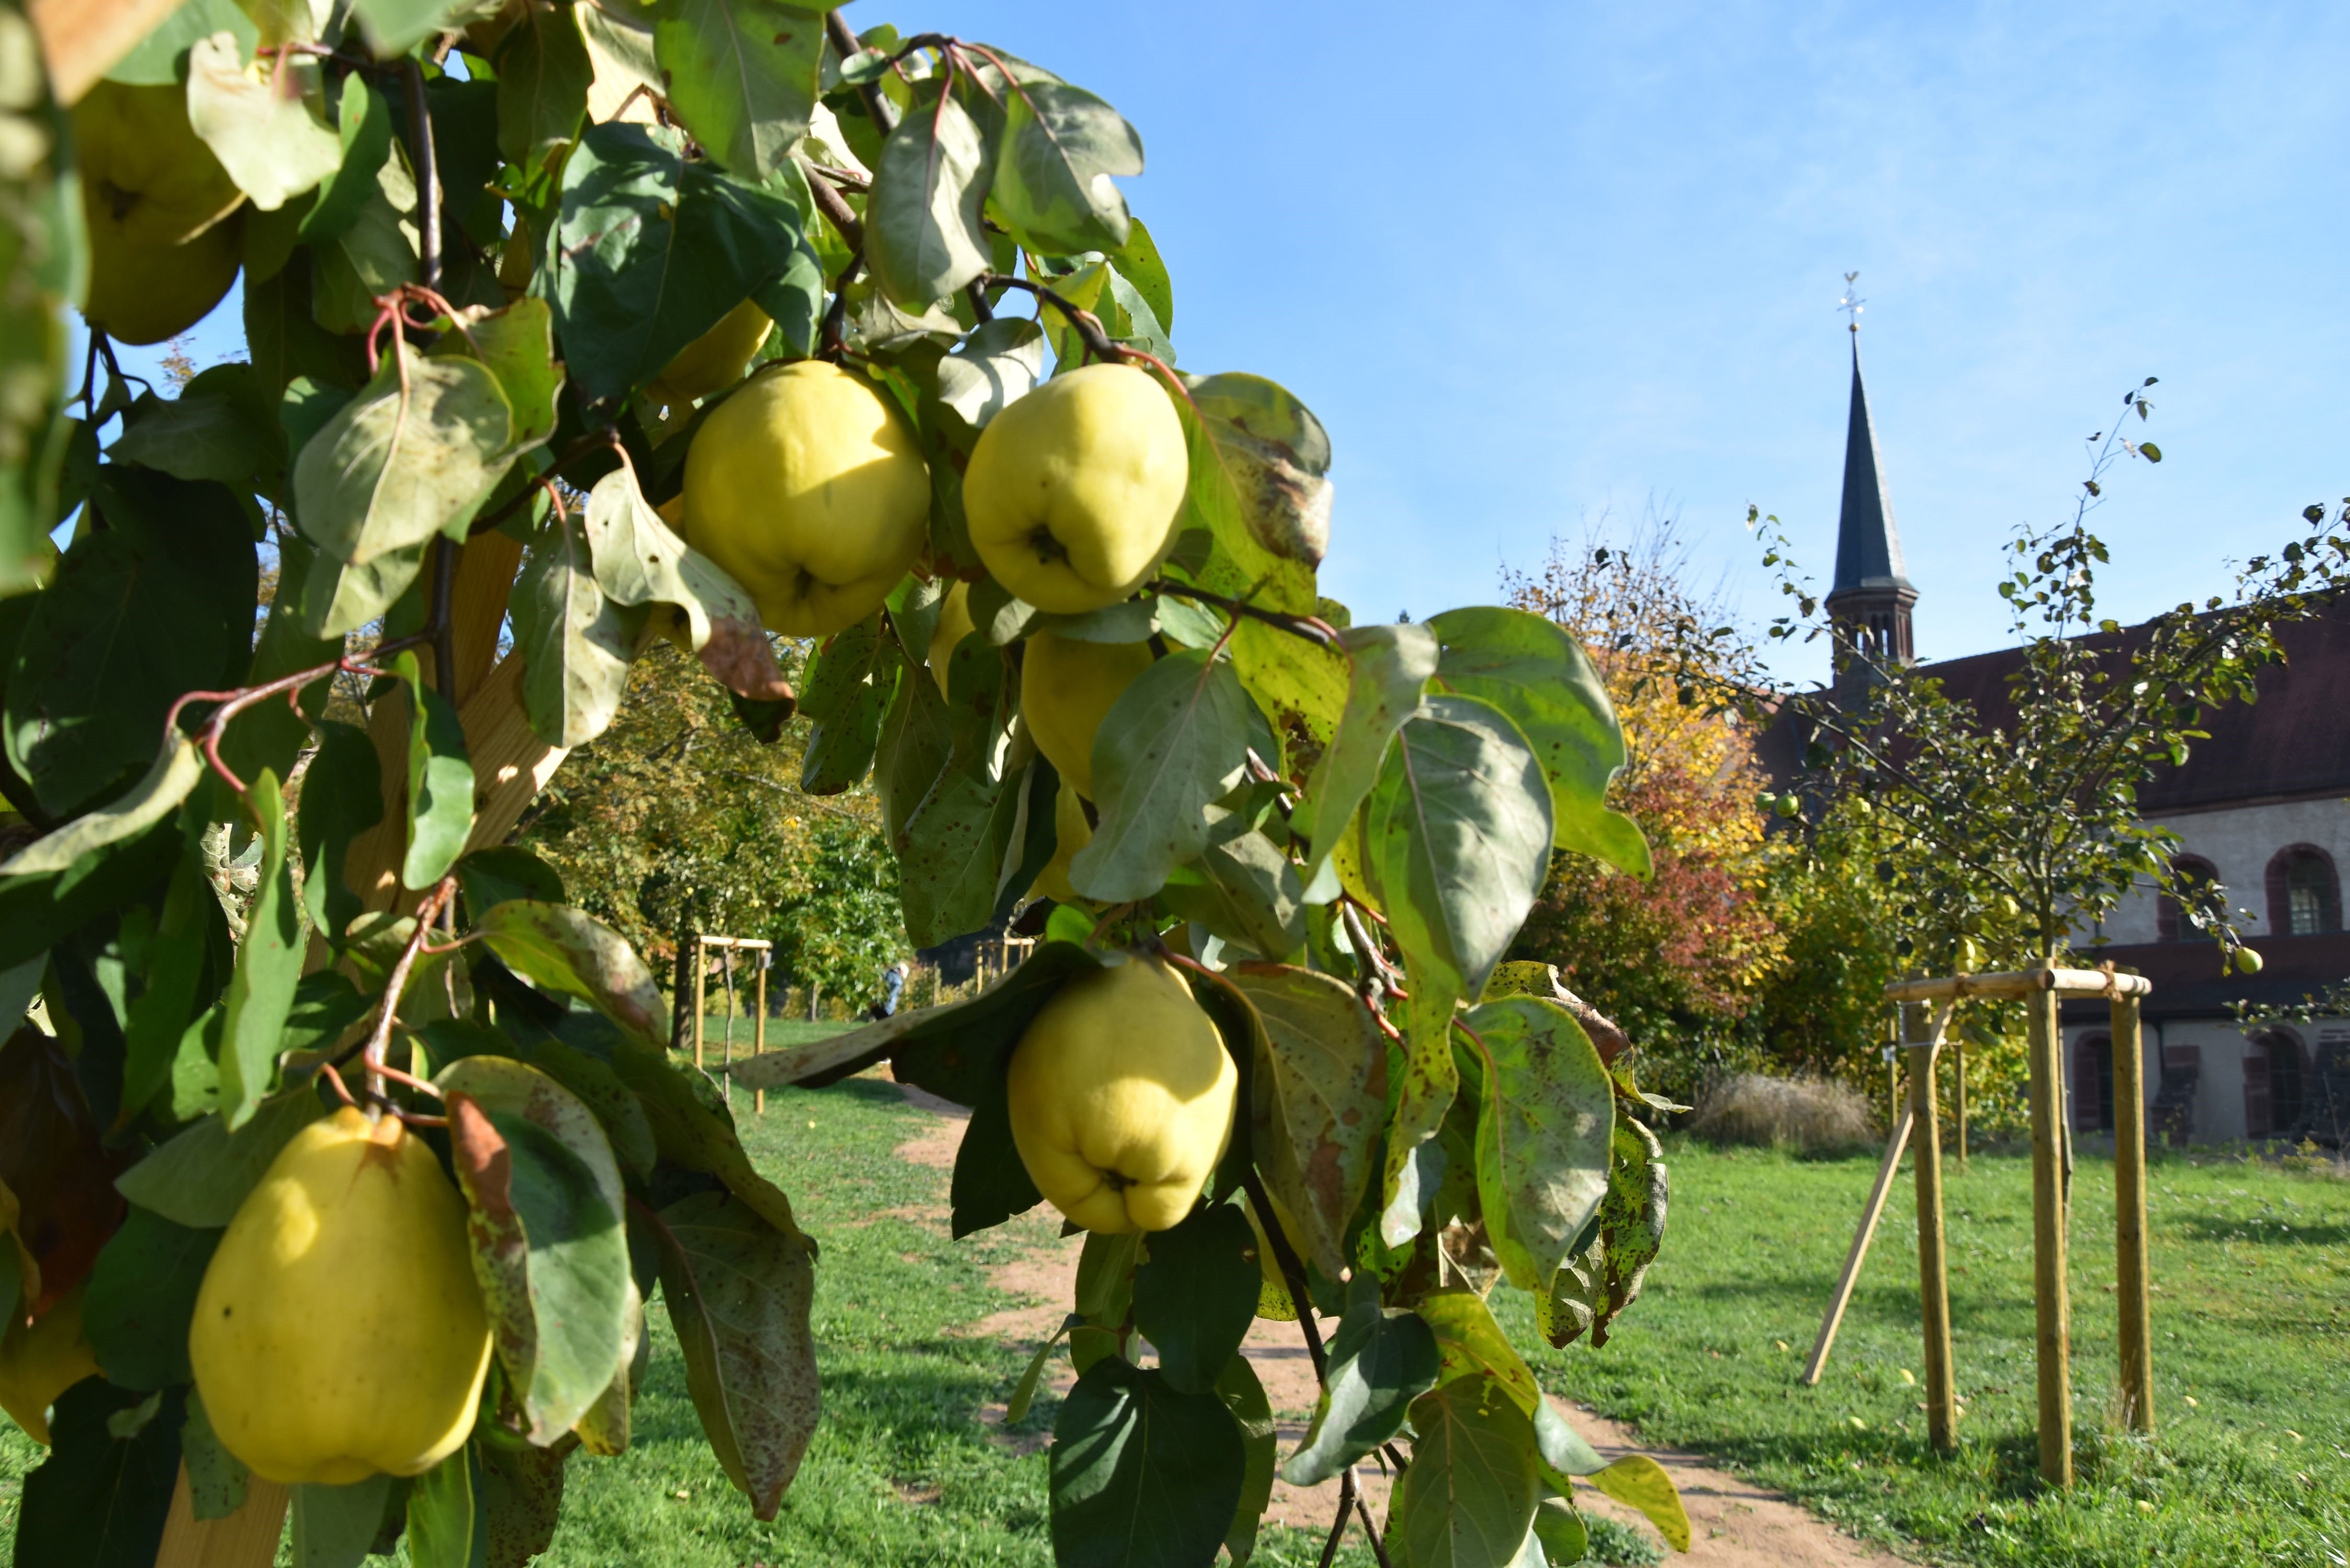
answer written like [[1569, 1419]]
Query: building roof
[[1868, 547], [2293, 742]]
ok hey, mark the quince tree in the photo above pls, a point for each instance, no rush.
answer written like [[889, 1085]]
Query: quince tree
[[341, 1156]]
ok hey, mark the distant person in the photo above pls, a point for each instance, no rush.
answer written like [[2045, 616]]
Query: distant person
[[893, 986]]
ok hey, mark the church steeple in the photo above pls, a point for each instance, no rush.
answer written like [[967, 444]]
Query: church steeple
[[1871, 596]]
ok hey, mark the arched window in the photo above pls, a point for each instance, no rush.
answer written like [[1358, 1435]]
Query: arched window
[[2193, 874], [2304, 894], [2092, 1084], [2275, 1085]]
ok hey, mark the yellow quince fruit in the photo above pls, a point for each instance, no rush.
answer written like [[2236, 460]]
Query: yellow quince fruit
[[338, 1331], [1121, 1097], [1073, 491], [1066, 688], [163, 246], [713, 362], [40, 1360], [954, 624], [809, 491], [1071, 832]]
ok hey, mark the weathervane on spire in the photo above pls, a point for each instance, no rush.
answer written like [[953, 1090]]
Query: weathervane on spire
[[1851, 303]]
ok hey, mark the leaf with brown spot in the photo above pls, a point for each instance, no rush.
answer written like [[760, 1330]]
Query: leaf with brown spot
[[52, 1159], [1319, 1092], [738, 1291]]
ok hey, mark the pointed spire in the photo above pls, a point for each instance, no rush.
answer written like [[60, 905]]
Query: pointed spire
[[1868, 546]]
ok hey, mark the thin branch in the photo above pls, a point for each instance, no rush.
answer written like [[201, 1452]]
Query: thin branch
[[1378, 1546], [1293, 1270], [1339, 1525], [427, 177], [380, 1038], [593, 442], [1313, 628], [443, 621], [835, 209]]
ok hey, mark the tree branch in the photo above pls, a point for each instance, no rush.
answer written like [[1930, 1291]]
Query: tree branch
[[427, 177], [1313, 628]]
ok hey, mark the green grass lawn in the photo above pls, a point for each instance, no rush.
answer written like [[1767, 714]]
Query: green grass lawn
[[2253, 1265], [2252, 1322]]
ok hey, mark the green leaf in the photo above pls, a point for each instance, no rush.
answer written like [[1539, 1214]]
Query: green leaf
[[178, 767], [1171, 745], [1638, 1481], [991, 1182], [521, 1494], [1052, 182], [640, 562], [575, 644], [141, 1297], [1545, 1117], [1242, 888], [223, 425], [440, 782], [491, 877], [738, 1291], [916, 743], [1430, 1083], [1138, 261], [273, 735], [1533, 670], [1244, 1397], [1605, 1278], [849, 686], [1380, 1361], [951, 856], [544, 73], [923, 238], [283, 335], [1560, 1530], [100, 1498], [441, 1514], [1143, 1475], [1023, 1393], [265, 131], [268, 965], [741, 75], [201, 1178], [374, 252], [1467, 1499], [1318, 1095], [398, 464], [1458, 833], [342, 797], [159, 1016], [1195, 1296], [217, 1478], [1388, 668], [335, 1525], [999, 363], [1470, 1342], [1125, 315], [157, 60], [546, 1204], [159, 602], [566, 950], [1262, 457], [363, 130], [516, 346], [649, 252]]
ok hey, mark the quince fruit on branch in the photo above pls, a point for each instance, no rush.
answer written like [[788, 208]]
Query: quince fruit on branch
[[163, 247], [1066, 688], [339, 1331], [1121, 1097], [713, 362], [1073, 491], [809, 491], [42, 1359]]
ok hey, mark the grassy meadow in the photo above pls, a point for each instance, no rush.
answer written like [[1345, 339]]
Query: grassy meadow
[[2252, 1324]]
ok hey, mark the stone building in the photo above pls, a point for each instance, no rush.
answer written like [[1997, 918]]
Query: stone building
[[2262, 808]]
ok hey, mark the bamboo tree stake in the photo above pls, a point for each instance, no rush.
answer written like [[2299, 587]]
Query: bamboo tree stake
[[2136, 1335], [1933, 1273], [2052, 1306], [1859, 1253], [759, 1028], [700, 991]]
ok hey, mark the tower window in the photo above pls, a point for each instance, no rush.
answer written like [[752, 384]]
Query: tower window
[[2304, 894]]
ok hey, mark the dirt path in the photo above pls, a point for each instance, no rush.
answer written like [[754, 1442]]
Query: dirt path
[[1735, 1524]]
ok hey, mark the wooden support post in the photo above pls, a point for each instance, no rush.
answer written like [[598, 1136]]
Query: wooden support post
[[246, 1539], [701, 985], [2129, 1217], [759, 1029], [1933, 1272], [1958, 1093], [1877, 1196], [726, 1051], [2052, 1307]]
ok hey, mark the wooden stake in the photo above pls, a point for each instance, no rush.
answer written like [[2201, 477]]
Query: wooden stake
[[759, 1031], [246, 1539], [1933, 1274], [1959, 1067], [2053, 1308], [701, 991], [2129, 1217], [726, 1051], [1877, 1196]]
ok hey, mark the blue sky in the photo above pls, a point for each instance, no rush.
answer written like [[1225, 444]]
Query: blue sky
[[1533, 264]]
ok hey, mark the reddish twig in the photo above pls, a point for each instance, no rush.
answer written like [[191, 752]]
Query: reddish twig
[[231, 704], [379, 1039]]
